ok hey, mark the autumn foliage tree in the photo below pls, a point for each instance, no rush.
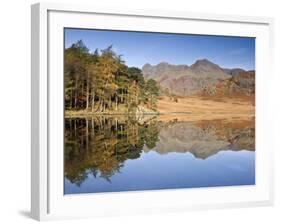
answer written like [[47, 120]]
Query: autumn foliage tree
[[101, 82]]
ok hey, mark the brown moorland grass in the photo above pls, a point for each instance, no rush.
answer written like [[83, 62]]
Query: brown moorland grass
[[205, 109]]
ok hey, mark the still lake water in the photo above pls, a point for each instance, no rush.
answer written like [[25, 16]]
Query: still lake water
[[111, 154]]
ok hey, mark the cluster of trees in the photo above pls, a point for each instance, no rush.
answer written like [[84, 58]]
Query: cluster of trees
[[102, 82]]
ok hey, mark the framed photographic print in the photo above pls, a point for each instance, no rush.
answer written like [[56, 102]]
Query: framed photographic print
[[148, 111]]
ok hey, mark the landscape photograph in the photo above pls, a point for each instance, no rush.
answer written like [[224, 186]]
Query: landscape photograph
[[154, 111]]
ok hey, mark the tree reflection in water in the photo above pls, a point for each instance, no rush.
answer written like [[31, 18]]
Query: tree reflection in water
[[100, 145]]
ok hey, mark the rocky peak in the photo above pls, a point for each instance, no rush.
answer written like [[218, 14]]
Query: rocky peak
[[146, 66], [204, 63]]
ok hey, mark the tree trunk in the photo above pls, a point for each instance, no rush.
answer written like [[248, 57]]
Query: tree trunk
[[88, 92], [137, 96], [101, 105], [71, 99], [109, 103], [76, 92], [93, 100], [116, 102], [93, 127]]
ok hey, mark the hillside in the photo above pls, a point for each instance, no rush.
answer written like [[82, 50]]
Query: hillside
[[203, 78]]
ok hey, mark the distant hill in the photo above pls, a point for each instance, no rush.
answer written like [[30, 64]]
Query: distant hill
[[201, 78]]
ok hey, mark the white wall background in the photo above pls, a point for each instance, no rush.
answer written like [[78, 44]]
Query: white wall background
[[15, 110]]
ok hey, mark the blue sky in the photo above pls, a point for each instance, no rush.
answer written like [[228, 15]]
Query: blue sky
[[139, 48]]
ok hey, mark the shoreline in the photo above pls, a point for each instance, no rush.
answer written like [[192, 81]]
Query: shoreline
[[193, 108], [173, 116]]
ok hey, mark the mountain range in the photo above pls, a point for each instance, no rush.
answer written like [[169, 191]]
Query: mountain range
[[201, 78]]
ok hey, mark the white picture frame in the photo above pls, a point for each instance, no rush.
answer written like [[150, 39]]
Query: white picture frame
[[48, 201]]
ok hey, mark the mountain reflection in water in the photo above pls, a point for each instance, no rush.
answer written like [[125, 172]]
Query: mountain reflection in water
[[106, 154]]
